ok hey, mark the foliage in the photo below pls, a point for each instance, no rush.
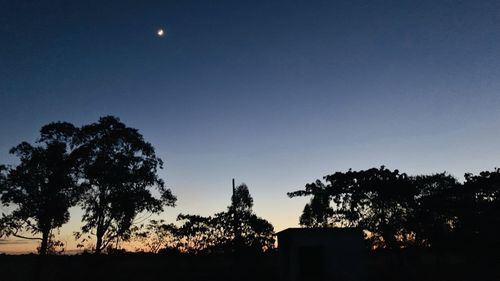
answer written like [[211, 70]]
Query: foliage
[[478, 211], [41, 188], [317, 212], [155, 236], [198, 234], [243, 229], [54, 246], [375, 200], [432, 218], [119, 170], [112, 173], [236, 230]]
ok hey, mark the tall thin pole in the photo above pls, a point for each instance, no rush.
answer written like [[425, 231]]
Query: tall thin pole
[[236, 221], [233, 187]]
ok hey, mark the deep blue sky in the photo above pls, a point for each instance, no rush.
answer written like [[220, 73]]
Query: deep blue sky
[[273, 93]]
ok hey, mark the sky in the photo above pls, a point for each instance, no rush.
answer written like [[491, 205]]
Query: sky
[[274, 94]]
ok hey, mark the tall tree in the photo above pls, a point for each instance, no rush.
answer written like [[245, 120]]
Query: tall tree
[[120, 170], [376, 200], [244, 229], [387, 196], [239, 210], [41, 188]]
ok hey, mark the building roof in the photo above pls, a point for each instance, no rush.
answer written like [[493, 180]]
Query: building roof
[[317, 230]]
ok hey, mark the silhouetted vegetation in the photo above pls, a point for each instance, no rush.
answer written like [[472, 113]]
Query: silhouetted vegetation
[[42, 187], [156, 236], [118, 169], [399, 211], [105, 167], [235, 231], [111, 172]]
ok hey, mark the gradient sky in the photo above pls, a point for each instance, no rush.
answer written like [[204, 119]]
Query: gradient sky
[[273, 93]]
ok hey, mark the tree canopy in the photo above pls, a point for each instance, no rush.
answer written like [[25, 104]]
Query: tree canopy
[[119, 170], [111, 172], [397, 210], [236, 230], [41, 189], [105, 167]]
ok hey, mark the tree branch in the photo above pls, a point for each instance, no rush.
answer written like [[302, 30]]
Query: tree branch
[[25, 237]]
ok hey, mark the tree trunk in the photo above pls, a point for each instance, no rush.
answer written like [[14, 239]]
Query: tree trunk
[[45, 242], [389, 238], [100, 220], [98, 244]]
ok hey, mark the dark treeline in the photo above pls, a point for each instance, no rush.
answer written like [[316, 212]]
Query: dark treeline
[[236, 230], [401, 211], [106, 168], [110, 171]]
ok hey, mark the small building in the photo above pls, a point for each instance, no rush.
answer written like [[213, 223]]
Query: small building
[[315, 254]]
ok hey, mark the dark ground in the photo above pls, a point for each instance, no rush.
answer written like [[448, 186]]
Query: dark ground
[[137, 267], [403, 265]]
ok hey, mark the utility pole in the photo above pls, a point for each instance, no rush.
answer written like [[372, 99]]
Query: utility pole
[[236, 221], [233, 187]]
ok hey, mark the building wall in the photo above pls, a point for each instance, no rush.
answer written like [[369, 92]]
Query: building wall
[[321, 254]]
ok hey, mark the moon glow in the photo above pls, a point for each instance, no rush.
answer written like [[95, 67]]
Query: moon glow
[[160, 32]]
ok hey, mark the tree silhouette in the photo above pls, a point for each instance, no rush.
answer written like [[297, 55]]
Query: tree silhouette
[[317, 212], [119, 169], [238, 212], [155, 236], [386, 196], [243, 228], [433, 217], [478, 211], [376, 200], [42, 187], [238, 229], [198, 234], [398, 211]]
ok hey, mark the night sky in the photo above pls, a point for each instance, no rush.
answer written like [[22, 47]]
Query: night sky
[[273, 93]]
